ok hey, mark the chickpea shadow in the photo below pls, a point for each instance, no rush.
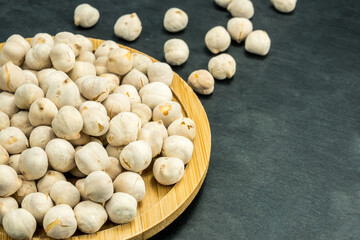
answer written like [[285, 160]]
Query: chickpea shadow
[[217, 7], [282, 13], [255, 56], [173, 34]]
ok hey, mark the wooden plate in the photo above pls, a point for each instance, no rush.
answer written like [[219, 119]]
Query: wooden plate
[[162, 204]]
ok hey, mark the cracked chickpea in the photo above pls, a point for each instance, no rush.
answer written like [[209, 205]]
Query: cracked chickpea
[[175, 20], [217, 39], [128, 27], [167, 112], [38, 204], [96, 123], [93, 88], [176, 51], [60, 222], [11, 77], [222, 66], [239, 28], [85, 15], [136, 156], [258, 42], [241, 8], [183, 127], [42, 38], [201, 81], [112, 80]]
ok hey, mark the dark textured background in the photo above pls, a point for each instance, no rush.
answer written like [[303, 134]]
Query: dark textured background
[[285, 160]]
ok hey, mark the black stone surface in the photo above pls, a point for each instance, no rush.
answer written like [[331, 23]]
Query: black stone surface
[[285, 160]]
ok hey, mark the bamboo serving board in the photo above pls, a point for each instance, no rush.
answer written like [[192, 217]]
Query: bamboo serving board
[[162, 204]]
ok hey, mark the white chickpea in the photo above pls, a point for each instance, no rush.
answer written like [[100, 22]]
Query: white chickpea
[[30, 76], [123, 129], [86, 56], [63, 93], [11, 77], [38, 204], [175, 20], [42, 38], [183, 127], [285, 6], [217, 39], [121, 208], [69, 39], [258, 42], [67, 123], [129, 91], [33, 163], [155, 93], [7, 204], [26, 94], [86, 16], [136, 156], [241, 8], [93, 88], [112, 80], [84, 43], [135, 78], [141, 62], [176, 51], [201, 81], [128, 27], [223, 3], [8, 105], [80, 186], [40, 136], [114, 151], [120, 61], [62, 57], [96, 123], [167, 112], [160, 72], [4, 120], [19, 224], [60, 222], [4, 156], [239, 28], [21, 121], [10, 182], [222, 66], [63, 192], [98, 186], [46, 182], [157, 125], [115, 104], [51, 77], [104, 49], [82, 69], [90, 216], [27, 187], [92, 157], [14, 162], [42, 111], [130, 183], [114, 168], [178, 147], [13, 140], [38, 57], [168, 171], [61, 155], [142, 110], [101, 65]]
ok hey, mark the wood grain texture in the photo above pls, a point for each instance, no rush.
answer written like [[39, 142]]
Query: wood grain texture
[[162, 204]]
